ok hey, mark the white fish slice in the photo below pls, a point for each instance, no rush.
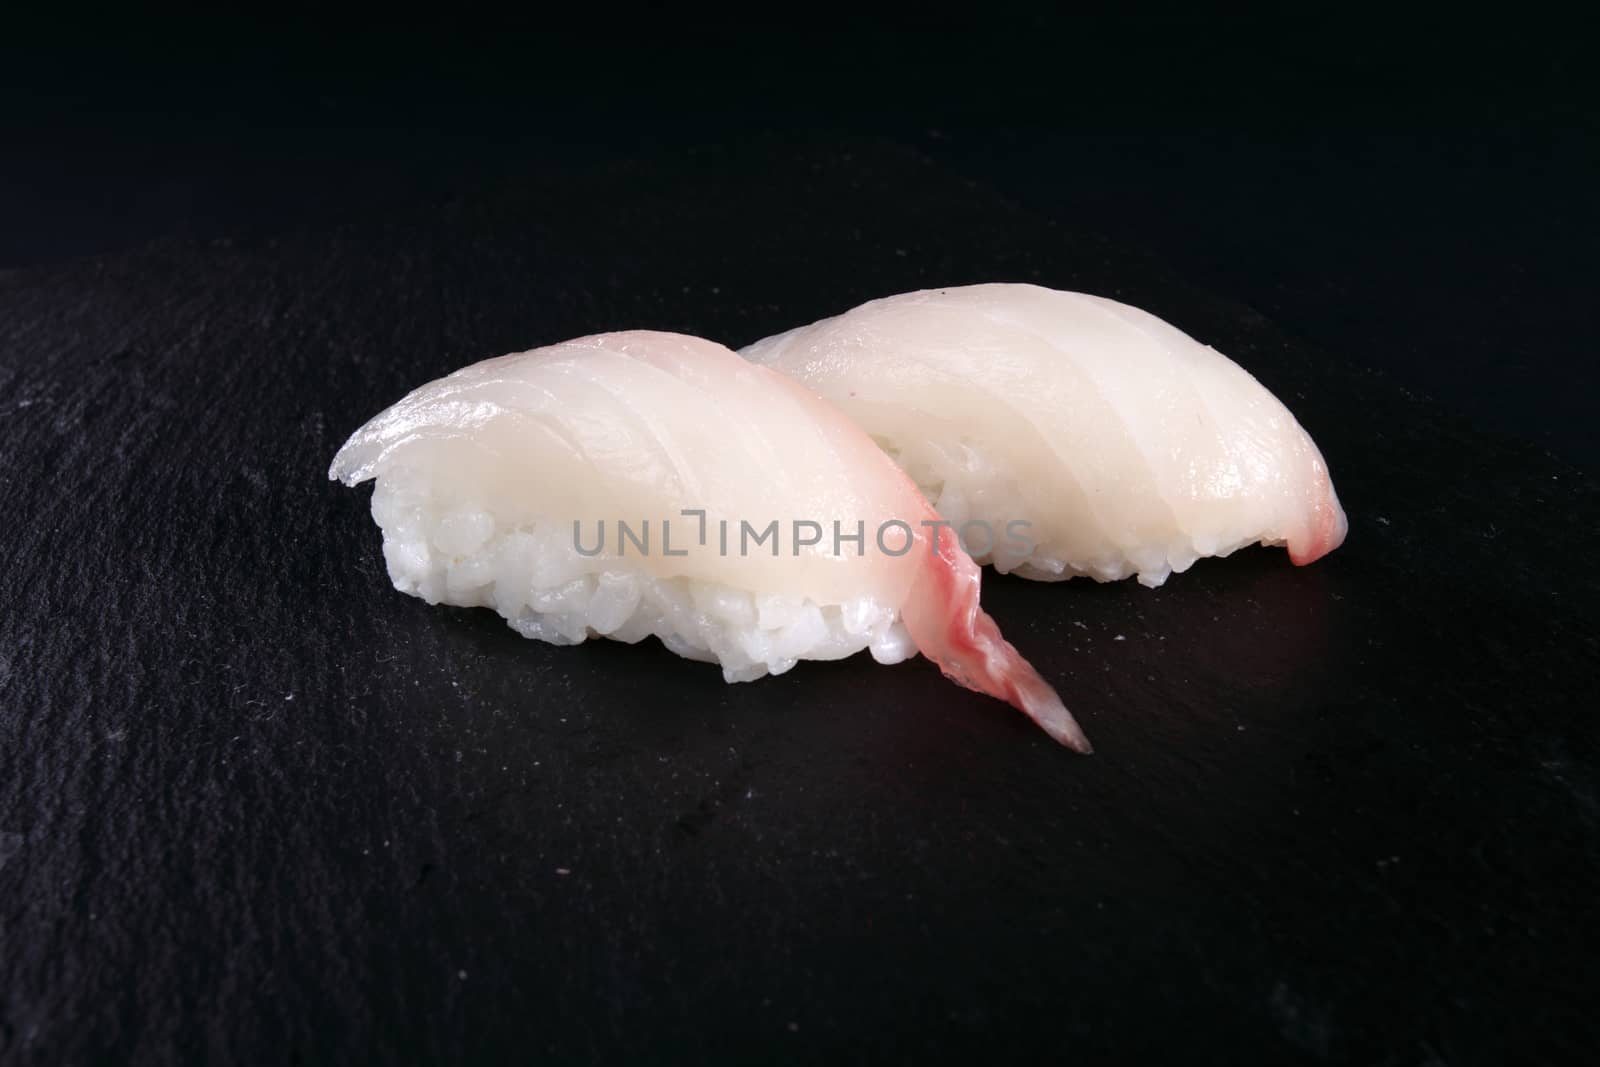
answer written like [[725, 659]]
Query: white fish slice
[[1123, 445], [493, 483]]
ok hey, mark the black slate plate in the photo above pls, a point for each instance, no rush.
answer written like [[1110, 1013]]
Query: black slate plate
[[258, 807]]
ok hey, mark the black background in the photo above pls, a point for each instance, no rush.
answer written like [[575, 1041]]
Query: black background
[[258, 807]]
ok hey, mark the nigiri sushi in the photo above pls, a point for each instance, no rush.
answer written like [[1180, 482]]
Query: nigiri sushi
[[633, 484], [1063, 434]]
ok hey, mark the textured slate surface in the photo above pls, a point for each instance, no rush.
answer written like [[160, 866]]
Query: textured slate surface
[[255, 806]]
